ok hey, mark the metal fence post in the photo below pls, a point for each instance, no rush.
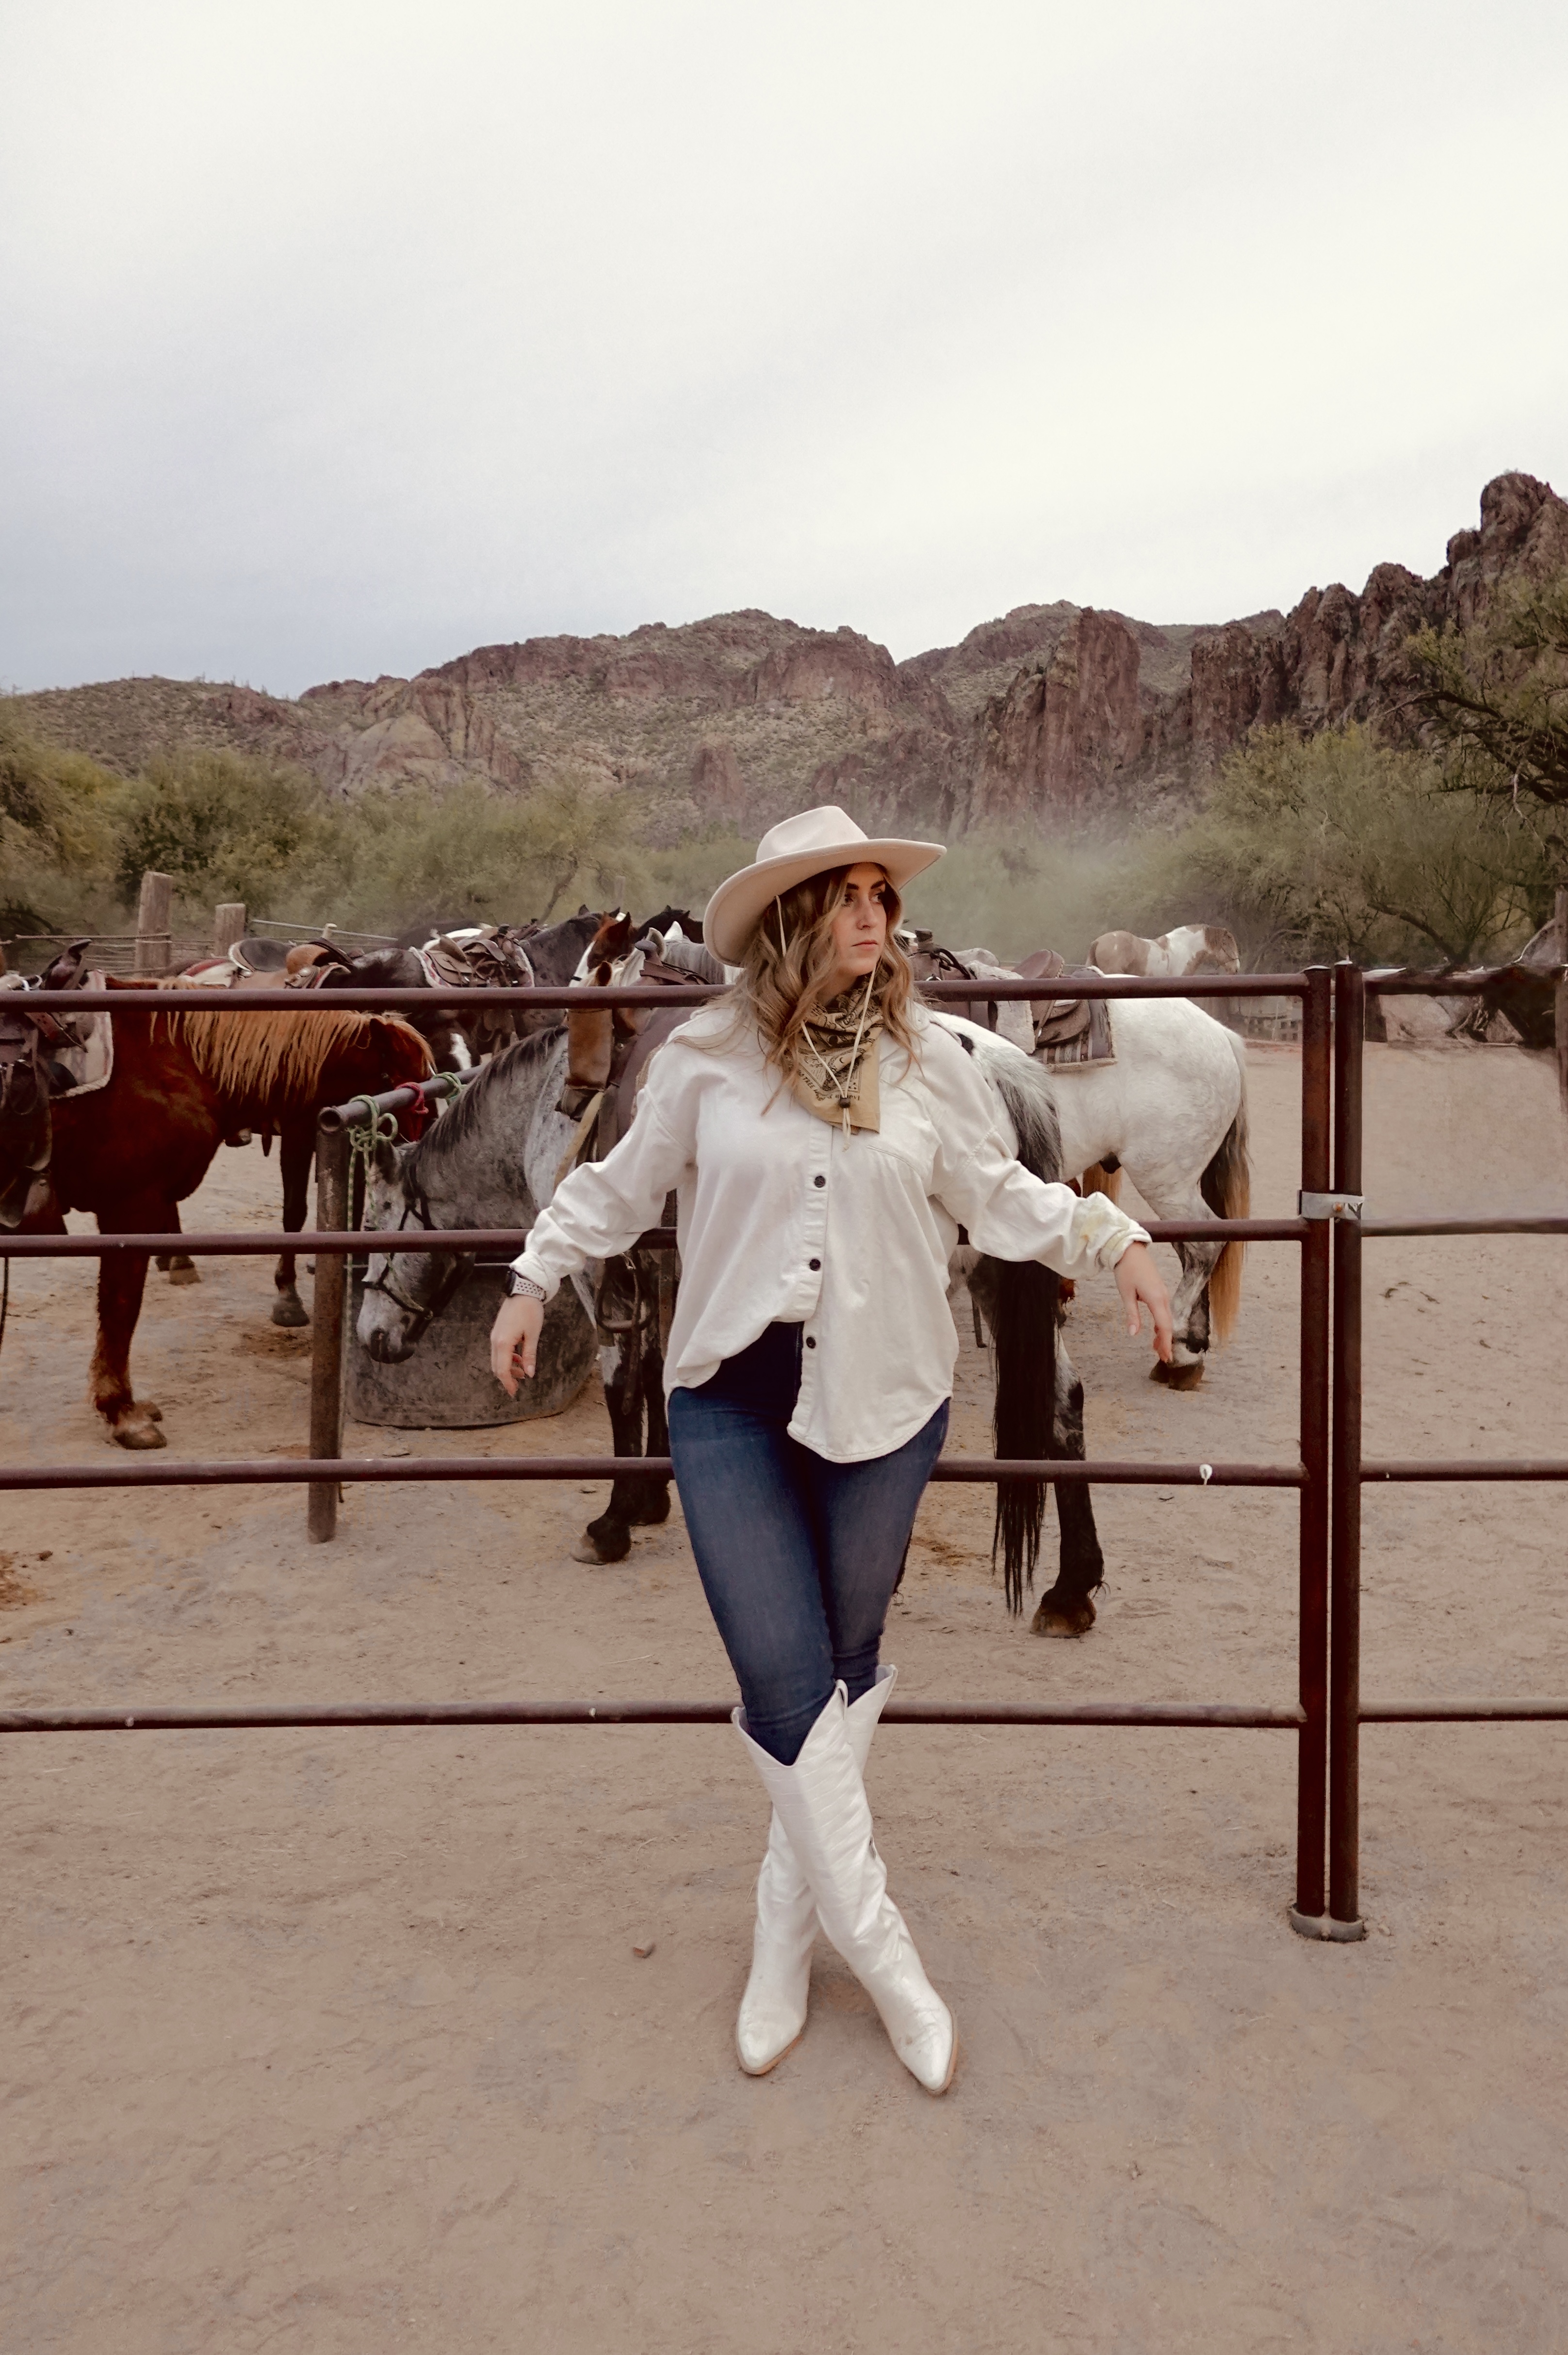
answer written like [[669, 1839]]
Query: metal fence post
[[1561, 1001], [1312, 1754], [1345, 1492], [329, 1329]]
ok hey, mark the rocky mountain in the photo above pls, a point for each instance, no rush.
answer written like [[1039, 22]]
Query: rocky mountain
[[1052, 711]]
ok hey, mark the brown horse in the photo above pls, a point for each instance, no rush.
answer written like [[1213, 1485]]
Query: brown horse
[[183, 1081]]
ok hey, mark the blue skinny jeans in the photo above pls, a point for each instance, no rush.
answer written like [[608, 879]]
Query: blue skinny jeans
[[799, 1557]]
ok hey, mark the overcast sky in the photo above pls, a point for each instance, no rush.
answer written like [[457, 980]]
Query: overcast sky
[[337, 338]]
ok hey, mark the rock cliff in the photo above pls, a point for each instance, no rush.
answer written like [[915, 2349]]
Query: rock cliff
[[1051, 712]]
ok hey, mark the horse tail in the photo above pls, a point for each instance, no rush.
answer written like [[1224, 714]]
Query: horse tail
[[1226, 1186], [1026, 1308], [1026, 1313]]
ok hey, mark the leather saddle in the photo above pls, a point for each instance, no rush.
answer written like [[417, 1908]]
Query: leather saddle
[[30, 1077], [1058, 1020], [496, 958]]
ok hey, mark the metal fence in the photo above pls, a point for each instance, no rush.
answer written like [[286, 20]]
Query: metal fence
[[1329, 1231]]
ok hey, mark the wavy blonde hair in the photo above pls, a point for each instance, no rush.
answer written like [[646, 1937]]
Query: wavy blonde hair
[[788, 964]]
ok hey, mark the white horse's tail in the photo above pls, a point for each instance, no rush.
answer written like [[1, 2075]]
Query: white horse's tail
[[1227, 1188]]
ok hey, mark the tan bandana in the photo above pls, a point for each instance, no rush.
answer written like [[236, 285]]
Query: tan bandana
[[836, 1081]]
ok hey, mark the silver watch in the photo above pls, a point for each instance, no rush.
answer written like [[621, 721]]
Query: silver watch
[[523, 1287]]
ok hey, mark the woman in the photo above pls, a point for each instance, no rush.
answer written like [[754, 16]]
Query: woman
[[827, 1136]]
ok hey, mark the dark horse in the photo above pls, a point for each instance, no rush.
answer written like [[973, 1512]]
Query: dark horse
[[131, 1152]]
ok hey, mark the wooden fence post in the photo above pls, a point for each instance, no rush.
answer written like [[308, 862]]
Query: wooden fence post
[[227, 925], [329, 1333], [1562, 1002], [1562, 999], [154, 930]]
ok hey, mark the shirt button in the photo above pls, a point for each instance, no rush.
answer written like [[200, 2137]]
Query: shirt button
[[813, 1265], [819, 1181], [809, 1343]]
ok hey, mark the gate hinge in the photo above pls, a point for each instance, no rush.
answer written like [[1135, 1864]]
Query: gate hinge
[[1329, 1206]]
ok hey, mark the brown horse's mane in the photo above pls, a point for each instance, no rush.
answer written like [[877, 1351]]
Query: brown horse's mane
[[280, 1059]]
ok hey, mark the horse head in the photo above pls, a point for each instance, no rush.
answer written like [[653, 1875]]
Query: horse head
[[404, 1291]]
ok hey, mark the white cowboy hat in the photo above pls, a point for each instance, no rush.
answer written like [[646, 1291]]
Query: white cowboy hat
[[788, 854]]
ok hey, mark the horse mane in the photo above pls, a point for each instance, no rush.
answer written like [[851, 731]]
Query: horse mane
[[279, 1059], [465, 1113]]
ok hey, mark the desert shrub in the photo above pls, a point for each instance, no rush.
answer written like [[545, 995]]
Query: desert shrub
[[55, 837], [223, 826], [470, 855], [1337, 845], [686, 874]]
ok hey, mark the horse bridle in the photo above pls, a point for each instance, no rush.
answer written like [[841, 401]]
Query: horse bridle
[[422, 1313], [460, 1263]]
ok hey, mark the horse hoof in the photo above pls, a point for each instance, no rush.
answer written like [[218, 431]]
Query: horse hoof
[[1063, 1618], [137, 1430], [186, 1275], [649, 1517], [288, 1309], [602, 1543], [1177, 1378]]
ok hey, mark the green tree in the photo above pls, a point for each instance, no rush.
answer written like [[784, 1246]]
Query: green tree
[[1336, 845], [1496, 698], [469, 854], [55, 834], [225, 826]]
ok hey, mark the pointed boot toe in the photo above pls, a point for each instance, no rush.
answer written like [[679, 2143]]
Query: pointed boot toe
[[926, 2040], [766, 2029]]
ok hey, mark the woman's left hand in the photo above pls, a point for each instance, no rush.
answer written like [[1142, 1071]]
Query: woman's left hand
[[1141, 1285]]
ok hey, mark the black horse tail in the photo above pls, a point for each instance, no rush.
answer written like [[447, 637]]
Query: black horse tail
[[1025, 1301]]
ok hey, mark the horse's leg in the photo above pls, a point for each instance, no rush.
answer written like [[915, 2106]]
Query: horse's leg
[[608, 1538], [1067, 1608], [1190, 1321], [296, 1151], [653, 1491], [178, 1266], [122, 1280]]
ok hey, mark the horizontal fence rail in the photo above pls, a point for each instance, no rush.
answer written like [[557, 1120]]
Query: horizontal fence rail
[[1522, 1222], [355, 1243], [1478, 1468], [223, 1718], [1411, 984], [562, 997], [282, 1471]]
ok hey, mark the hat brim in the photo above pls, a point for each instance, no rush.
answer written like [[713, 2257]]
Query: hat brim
[[738, 906]]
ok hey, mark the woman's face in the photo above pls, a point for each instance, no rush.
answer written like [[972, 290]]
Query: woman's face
[[860, 926]]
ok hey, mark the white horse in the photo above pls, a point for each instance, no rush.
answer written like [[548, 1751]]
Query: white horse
[[1190, 948], [1171, 1110]]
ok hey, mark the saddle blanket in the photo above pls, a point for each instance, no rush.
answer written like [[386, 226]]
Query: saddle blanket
[[1093, 1040], [82, 1059]]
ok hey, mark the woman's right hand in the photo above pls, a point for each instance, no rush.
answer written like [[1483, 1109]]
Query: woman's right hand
[[515, 1341]]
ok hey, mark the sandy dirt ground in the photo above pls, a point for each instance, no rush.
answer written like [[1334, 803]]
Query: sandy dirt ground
[[339, 2043]]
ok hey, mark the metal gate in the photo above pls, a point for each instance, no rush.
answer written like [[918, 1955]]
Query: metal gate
[[1328, 1711]]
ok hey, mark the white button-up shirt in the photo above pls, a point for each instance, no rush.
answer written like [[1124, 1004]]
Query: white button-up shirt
[[784, 1219]]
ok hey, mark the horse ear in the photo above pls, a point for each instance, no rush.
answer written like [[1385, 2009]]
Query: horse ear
[[388, 1156]]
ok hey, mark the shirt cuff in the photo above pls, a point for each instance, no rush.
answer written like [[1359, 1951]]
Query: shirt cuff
[[1103, 1232], [536, 1273]]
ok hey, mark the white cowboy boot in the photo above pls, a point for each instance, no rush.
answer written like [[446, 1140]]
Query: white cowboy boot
[[820, 1801], [773, 2008]]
